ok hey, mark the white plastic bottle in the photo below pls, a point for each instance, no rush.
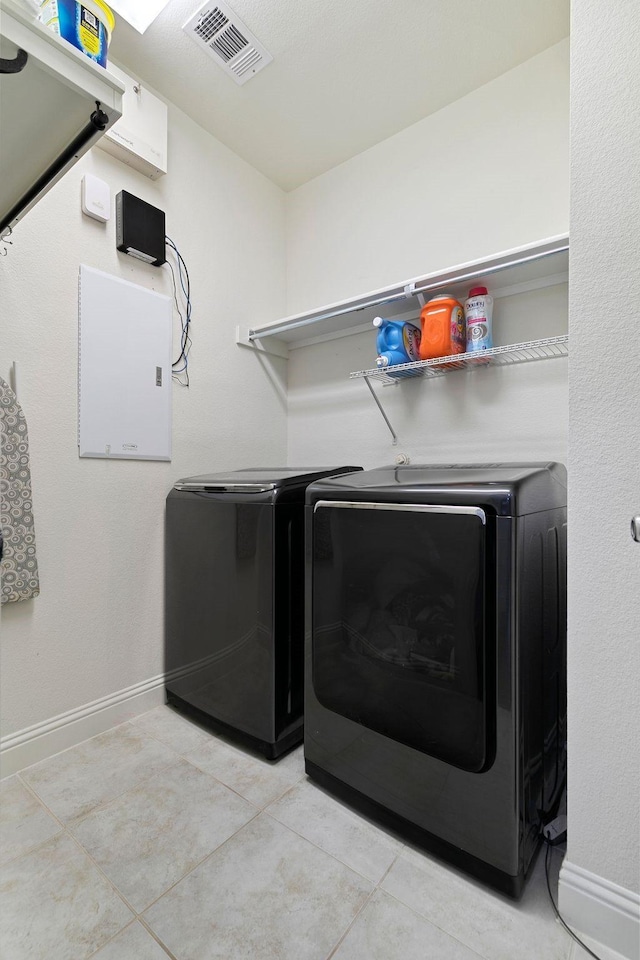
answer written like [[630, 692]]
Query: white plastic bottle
[[478, 310]]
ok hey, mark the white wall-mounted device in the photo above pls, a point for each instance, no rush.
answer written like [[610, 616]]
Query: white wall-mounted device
[[139, 138], [96, 198]]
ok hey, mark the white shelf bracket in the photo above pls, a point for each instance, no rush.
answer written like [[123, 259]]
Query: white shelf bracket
[[275, 348], [381, 409]]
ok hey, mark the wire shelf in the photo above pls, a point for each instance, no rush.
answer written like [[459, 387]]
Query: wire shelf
[[545, 349]]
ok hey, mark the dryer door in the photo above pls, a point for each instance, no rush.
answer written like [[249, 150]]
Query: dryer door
[[399, 624]]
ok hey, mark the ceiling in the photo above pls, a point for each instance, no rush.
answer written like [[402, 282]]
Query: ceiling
[[346, 74]]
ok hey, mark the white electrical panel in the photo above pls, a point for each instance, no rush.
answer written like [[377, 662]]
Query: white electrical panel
[[124, 369], [139, 138]]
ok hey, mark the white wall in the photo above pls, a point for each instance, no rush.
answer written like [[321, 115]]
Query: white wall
[[604, 462], [96, 627], [486, 174]]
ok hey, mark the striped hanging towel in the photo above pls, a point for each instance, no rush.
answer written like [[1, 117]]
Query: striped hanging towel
[[19, 565]]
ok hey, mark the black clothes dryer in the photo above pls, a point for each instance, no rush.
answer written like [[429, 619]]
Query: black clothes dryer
[[435, 679], [234, 602]]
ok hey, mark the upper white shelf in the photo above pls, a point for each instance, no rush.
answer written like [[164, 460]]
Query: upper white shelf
[[514, 271], [46, 110]]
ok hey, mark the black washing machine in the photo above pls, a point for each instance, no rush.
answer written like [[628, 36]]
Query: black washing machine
[[435, 678], [234, 602]]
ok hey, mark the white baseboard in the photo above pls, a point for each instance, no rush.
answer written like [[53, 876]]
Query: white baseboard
[[600, 909], [42, 740]]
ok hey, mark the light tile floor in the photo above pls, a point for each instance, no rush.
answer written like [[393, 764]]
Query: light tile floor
[[158, 839]]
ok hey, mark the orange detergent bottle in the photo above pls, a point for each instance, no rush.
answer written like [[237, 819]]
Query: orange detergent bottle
[[443, 328]]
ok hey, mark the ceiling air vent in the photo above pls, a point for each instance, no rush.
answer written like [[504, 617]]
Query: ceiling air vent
[[217, 29]]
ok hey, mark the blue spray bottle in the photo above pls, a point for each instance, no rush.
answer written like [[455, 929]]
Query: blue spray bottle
[[398, 342]]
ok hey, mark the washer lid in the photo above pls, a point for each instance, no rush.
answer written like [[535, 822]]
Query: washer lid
[[209, 483], [257, 479]]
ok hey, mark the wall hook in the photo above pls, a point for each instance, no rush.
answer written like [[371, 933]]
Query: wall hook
[[16, 65], [5, 240]]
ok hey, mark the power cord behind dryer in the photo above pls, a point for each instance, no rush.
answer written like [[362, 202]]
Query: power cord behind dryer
[[554, 834]]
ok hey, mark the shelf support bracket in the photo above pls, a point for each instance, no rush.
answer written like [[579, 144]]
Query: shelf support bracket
[[274, 349], [381, 409]]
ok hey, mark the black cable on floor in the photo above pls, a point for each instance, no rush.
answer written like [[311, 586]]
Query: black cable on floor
[[557, 912]]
